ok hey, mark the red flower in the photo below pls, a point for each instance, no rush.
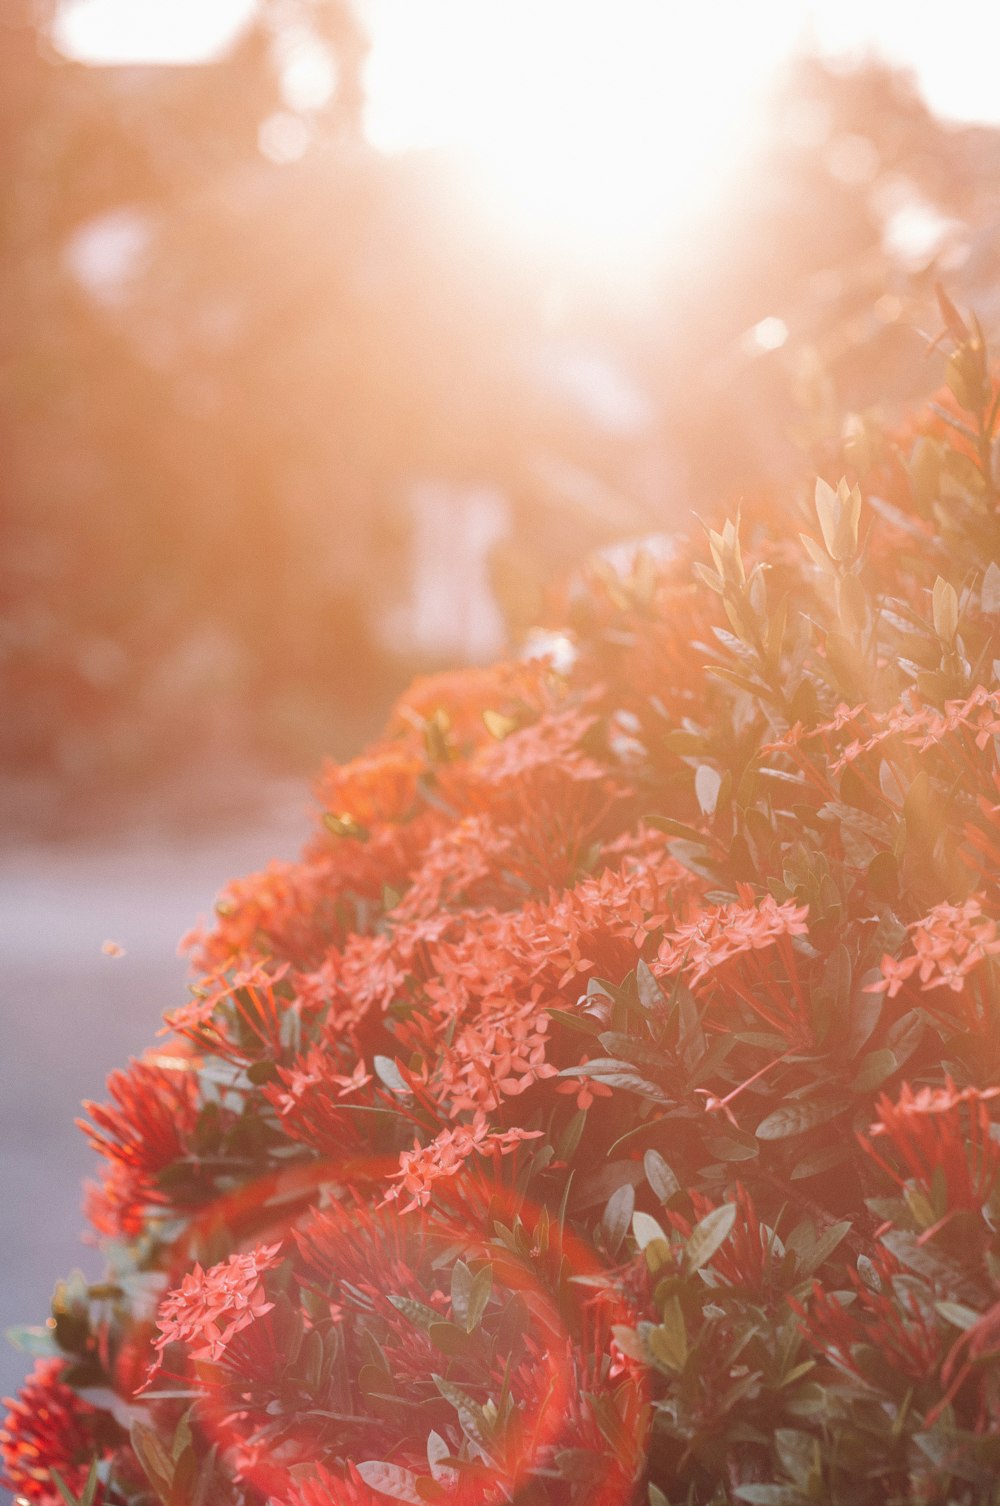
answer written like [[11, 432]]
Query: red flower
[[721, 951], [144, 1129], [50, 1427], [704, 945], [941, 1130], [447, 1154], [210, 1307], [236, 1015], [892, 1321], [949, 943], [586, 1090]]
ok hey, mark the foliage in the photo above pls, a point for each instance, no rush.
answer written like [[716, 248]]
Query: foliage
[[604, 1107]]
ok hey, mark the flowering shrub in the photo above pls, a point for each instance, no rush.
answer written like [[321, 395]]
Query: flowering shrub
[[605, 1108]]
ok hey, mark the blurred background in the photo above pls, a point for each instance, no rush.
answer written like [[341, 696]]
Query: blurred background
[[333, 335]]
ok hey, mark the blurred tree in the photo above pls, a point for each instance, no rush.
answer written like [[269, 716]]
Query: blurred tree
[[237, 342]]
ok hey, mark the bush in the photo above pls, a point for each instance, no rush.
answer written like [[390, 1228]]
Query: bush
[[604, 1108]]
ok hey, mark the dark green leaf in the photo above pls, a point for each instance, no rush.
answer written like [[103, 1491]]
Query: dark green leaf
[[795, 1118]]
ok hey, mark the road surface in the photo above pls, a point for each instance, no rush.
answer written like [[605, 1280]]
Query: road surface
[[69, 1012]]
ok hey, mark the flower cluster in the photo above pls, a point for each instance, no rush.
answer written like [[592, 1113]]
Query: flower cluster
[[210, 1307], [605, 1107], [949, 943]]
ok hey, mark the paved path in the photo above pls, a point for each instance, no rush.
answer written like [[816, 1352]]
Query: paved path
[[69, 1013]]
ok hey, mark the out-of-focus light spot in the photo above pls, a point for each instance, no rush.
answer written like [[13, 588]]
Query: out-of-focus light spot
[[852, 160], [148, 31], [915, 232], [104, 254], [308, 73], [556, 647], [112, 949], [769, 334], [283, 137]]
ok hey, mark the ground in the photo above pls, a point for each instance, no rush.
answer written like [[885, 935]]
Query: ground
[[70, 1012]]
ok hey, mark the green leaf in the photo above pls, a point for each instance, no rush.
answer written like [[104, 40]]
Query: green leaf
[[450, 1338], [391, 1480], [990, 593], [874, 1069], [461, 1286], [883, 875], [650, 993], [418, 1314], [498, 725], [390, 1075], [958, 1314], [813, 1250], [582, 1466], [818, 1161], [677, 829], [828, 510], [87, 1495], [732, 1147], [618, 1216], [798, 1453], [707, 1235], [659, 1176], [666, 1342], [707, 783], [770, 1495], [945, 610], [149, 1449], [645, 1229], [628, 1341], [795, 1118], [866, 1010], [437, 1452], [32, 1340], [470, 1414], [617, 1074], [478, 1297]]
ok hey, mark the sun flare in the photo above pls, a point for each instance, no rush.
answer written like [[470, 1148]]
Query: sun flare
[[590, 125]]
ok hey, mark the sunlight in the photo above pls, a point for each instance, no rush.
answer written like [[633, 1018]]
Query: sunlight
[[148, 31], [590, 129], [591, 126]]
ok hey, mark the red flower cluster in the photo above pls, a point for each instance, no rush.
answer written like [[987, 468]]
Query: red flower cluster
[[49, 1427], [547, 1132], [944, 1139], [210, 1307]]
